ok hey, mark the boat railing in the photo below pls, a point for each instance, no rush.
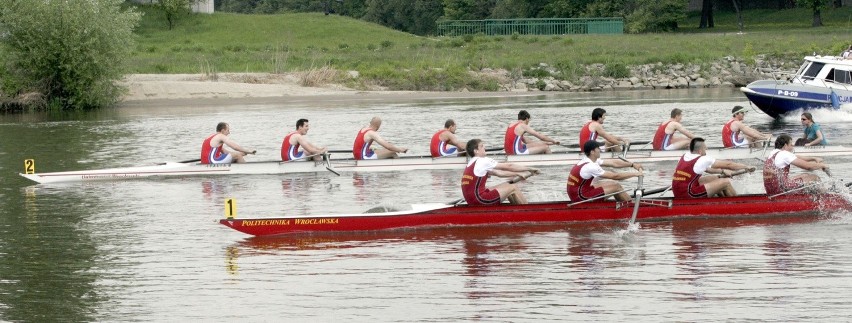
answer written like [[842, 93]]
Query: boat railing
[[788, 76], [829, 83]]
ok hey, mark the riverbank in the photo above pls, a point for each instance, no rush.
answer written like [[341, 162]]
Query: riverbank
[[728, 72]]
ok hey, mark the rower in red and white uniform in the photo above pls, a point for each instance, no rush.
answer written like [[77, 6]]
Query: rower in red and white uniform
[[295, 140], [594, 129], [776, 168], [665, 138], [480, 168], [214, 152], [443, 139], [365, 138], [584, 181], [735, 133], [688, 181], [515, 143]]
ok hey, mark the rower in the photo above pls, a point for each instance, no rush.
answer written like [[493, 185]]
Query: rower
[[445, 137], [688, 180], [296, 139], [813, 133], [515, 143], [214, 152], [735, 127], [584, 183], [776, 168], [361, 148], [480, 168], [594, 128], [665, 139]]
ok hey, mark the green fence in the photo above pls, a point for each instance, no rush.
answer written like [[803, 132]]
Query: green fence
[[532, 26]]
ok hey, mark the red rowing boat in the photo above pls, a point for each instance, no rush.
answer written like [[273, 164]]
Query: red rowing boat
[[444, 215]]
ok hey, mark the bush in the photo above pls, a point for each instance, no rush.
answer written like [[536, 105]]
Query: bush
[[616, 70], [75, 57], [387, 44], [536, 72]]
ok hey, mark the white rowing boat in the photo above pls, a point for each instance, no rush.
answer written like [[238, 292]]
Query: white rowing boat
[[385, 165]]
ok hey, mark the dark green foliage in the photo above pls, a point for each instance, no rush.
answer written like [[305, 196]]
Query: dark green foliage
[[73, 59], [616, 70]]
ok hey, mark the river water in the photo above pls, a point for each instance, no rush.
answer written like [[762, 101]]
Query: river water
[[151, 250]]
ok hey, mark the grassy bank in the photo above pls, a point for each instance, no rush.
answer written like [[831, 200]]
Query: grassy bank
[[226, 42]]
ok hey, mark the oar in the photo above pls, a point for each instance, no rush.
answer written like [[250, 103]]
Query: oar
[[521, 177], [327, 159], [304, 157], [796, 190], [739, 172], [638, 195], [656, 191], [183, 161], [597, 198], [188, 161]]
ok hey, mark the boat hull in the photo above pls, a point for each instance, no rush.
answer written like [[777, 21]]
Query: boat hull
[[564, 159], [441, 215], [779, 98], [821, 82]]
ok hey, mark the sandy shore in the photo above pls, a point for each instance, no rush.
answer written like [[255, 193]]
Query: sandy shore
[[226, 85], [192, 89]]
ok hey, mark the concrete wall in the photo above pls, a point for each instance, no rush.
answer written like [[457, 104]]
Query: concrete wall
[[203, 6], [200, 6]]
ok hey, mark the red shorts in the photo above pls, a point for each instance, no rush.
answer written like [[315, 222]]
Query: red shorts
[[697, 191], [486, 197], [789, 185], [582, 194]]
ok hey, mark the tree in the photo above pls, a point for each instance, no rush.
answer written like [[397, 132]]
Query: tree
[[468, 9], [414, 16], [174, 9], [706, 14], [816, 6], [71, 51], [653, 15]]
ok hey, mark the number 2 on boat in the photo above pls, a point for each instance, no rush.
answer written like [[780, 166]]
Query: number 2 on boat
[[29, 166], [230, 208]]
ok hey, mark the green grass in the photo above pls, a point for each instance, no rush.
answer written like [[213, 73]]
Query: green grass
[[225, 42]]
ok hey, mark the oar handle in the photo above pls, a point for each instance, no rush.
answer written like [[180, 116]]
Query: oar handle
[[739, 172]]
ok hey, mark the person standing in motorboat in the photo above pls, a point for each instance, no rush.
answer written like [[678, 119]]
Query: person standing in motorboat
[[813, 133], [847, 54], [214, 152], [735, 133]]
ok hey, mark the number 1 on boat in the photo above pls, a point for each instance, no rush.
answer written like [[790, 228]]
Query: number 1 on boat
[[230, 208]]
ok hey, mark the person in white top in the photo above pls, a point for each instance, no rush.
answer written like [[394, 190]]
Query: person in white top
[[584, 181], [689, 180], [847, 54], [480, 168], [776, 168]]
